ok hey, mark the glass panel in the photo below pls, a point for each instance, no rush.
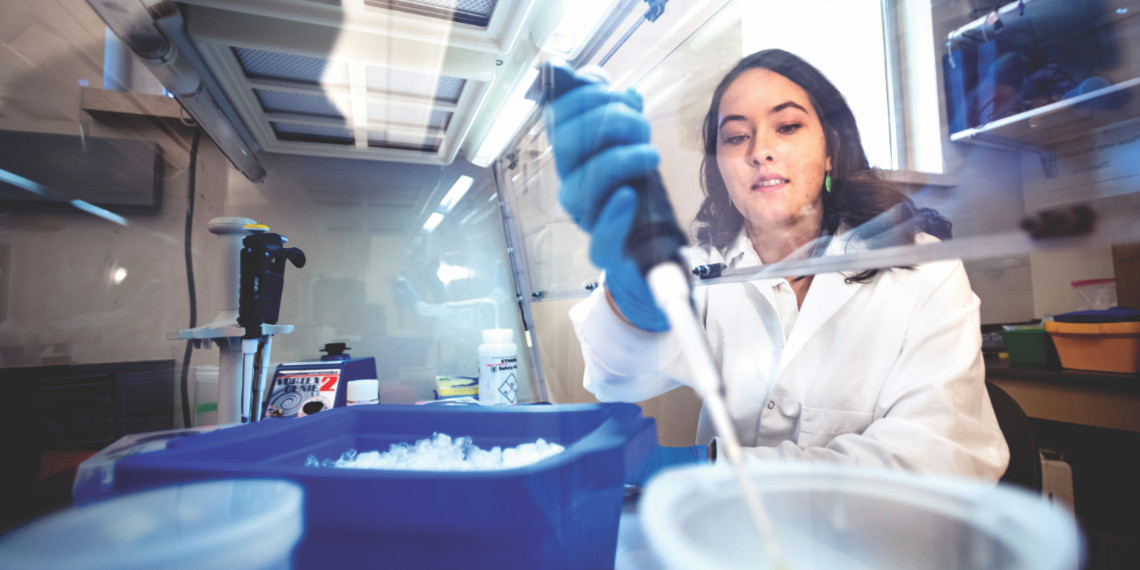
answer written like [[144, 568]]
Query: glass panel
[[414, 84], [298, 104], [1037, 169], [473, 12], [290, 68], [408, 115], [300, 132], [817, 357], [115, 216], [404, 140], [118, 213]]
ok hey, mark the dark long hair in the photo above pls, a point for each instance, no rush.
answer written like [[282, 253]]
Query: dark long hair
[[858, 195]]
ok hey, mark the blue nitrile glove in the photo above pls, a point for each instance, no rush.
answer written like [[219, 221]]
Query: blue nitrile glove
[[667, 457], [601, 141]]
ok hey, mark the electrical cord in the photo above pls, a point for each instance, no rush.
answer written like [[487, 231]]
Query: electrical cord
[[191, 183]]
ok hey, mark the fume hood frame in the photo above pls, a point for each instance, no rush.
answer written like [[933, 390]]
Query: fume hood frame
[[413, 81]]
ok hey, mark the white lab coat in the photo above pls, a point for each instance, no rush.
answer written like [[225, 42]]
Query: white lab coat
[[887, 373]]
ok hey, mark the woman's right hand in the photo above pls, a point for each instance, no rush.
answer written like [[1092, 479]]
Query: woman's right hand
[[601, 143]]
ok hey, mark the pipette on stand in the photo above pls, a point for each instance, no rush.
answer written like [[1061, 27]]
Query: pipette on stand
[[654, 243]]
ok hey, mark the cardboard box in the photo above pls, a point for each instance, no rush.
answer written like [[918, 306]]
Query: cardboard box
[[1126, 263]]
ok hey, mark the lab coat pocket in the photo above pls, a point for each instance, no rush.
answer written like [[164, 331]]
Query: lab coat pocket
[[819, 426]]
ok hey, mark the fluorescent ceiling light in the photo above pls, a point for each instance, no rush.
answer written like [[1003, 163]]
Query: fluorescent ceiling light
[[433, 220], [21, 182], [448, 273], [578, 25], [97, 211], [456, 193], [507, 124], [37, 188]]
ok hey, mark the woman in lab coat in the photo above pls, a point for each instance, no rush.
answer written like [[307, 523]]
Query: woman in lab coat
[[879, 368]]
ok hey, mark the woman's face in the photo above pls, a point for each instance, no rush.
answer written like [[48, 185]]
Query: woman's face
[[771, 152]]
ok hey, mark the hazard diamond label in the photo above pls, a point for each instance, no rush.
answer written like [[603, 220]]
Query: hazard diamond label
[[509, 388]]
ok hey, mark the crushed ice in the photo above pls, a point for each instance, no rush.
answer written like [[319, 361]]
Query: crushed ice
[[442, 453]]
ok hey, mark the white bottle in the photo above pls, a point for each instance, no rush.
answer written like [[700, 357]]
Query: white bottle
[[498, 368], [363, 392]]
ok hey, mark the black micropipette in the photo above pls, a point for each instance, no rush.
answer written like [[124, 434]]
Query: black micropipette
[[654, 243]]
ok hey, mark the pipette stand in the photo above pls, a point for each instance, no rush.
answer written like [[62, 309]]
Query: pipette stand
[[239, 380]]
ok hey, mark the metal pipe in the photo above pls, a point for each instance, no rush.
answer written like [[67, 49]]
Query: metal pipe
[[145, 29]]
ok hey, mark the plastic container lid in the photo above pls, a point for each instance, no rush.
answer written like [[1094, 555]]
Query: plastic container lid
[[248, 523], [833, 516], [363, 390], [1113, 315], [497, 336], [1088, 282]]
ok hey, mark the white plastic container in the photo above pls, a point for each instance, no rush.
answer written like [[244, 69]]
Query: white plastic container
[[498, 368], [363, 392], [240, 524], [831, 516], [205, 395]]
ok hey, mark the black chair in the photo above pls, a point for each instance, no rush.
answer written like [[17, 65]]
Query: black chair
[[1024, 457]]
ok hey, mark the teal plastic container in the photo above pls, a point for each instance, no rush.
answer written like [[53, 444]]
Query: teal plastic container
[[1030, 346], [561, 512]]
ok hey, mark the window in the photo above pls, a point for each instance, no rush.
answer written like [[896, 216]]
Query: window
[[879, 53]]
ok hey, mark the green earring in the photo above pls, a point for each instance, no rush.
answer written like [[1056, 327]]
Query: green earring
[[827, 181]]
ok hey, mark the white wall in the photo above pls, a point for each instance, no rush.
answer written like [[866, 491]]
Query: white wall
[[357, 221], [47, 48], [998, 187], [844, 39], [63, 305]]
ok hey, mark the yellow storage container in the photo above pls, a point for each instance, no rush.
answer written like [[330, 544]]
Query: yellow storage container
[[1106, 347]]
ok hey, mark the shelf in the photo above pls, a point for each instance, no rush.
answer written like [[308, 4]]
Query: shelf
[[1097, 399], [96, 101], [1045, 23], [1112, 381], [914, 179], [1056, 122]]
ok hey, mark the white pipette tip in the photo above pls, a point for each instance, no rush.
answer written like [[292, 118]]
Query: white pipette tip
[[670, 287]]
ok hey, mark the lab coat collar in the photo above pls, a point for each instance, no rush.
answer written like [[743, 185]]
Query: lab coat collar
[[828, 293], [740, 253]]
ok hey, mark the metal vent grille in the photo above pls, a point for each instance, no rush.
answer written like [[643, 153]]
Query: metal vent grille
[[288, 68], [382, 140], [403, 115], [473, 12], [312, 133], [403, 142], [414, 83], [297, 104]]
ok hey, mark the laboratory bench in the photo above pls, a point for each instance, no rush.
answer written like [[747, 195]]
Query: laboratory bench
[[1097, 399], [1091, 420]]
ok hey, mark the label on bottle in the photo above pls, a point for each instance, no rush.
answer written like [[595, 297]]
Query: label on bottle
[[498, 380], [362, 402], [300, 391]]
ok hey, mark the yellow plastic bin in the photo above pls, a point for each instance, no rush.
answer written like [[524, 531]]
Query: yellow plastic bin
[[1105, 347]]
